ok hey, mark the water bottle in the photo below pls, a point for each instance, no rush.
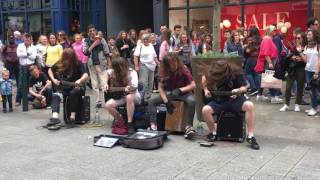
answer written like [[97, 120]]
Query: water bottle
[[97, 117], [200, 130]]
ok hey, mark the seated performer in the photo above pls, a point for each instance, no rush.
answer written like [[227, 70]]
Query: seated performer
[[68, 77], [224, 76], [122, 76], [175, 83]]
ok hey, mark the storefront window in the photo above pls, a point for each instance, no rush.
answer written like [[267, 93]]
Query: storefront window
[[177, 3], [201, 19], [177, 17], [201, 2]]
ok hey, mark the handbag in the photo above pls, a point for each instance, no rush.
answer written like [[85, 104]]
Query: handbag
[[269, 81], [119, 127]]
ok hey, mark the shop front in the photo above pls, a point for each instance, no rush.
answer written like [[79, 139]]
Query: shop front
[[45, 16], [196, 14]]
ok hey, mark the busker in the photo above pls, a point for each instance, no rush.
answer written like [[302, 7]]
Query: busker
[[224, 76], [175, 83], [122, 76], [67, 69]]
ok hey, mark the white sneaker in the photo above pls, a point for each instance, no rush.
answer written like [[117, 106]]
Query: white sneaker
[[262, 98], [296, 108], [312, 112], [284, 108], [276, 100]]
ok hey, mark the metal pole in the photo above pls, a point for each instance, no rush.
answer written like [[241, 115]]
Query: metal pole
[[242, 14], [310, 8]]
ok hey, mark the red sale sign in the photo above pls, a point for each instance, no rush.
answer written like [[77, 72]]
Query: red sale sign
[[262, 15]]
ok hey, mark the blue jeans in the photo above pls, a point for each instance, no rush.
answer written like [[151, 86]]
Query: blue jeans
[[314, 91]]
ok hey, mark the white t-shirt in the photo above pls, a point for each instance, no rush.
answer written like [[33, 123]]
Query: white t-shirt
[[147, 55], [132, 76], [313, 55]]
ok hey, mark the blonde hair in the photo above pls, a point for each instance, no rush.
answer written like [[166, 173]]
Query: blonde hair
[[77, 34], [5, 72], [269, 29]]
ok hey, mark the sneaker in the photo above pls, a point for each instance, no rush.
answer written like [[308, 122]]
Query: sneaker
[[130, 129], [276, 100], [253, 143], [253, 93], [284, 108], [189, 133], [211, 138], [312, 112], [10, 110], [52, 122], [296, 108], [262, 98]]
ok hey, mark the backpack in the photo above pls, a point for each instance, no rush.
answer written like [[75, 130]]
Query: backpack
[[10, 53], [119, 127]]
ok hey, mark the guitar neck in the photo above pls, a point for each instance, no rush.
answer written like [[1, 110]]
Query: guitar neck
[[116, 89]]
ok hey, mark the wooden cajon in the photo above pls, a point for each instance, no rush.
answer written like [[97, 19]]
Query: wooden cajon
[[176, 122]]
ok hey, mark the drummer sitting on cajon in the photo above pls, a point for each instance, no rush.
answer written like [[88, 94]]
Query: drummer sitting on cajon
[[224, 76]]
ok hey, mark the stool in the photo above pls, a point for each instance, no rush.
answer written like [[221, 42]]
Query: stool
[[176, 122]]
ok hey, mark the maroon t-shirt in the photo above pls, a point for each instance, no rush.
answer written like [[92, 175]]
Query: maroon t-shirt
[[178, 80]]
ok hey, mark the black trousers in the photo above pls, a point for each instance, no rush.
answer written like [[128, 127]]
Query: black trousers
[[5, 99], [74, 97]]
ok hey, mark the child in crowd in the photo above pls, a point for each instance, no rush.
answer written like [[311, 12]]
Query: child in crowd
[[6, 90]]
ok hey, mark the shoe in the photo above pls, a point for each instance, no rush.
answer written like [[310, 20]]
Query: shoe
[[303, 102], [17, 104], [253, 93], [211, 138], [10, 110], [262, 98], [52, 122], [284, 108], [130, 129], [296, 108], [253, 143], [276, 100], [49, 107], [189, 133], [71, 124], [153, 127], [312, 112], [4, 111]]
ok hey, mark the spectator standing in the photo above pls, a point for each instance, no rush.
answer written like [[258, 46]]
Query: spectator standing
[[311, 56], [63, 40], [165, 44], [27, 54], [175, 38], [295, 66], [78, 47], [234, 45], [145, 61], [124, 46], [96, 48], [41, 50], [6, 90]]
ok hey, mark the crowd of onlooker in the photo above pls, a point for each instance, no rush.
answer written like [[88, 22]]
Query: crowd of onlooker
[[145, 57]]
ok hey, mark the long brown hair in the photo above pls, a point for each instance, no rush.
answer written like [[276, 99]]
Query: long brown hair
[[68, 61], [165, 36], [120, 35], [165, 69], [221, 72], [120, 69]]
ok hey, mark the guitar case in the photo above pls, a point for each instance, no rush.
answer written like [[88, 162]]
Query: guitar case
[[144, 139]]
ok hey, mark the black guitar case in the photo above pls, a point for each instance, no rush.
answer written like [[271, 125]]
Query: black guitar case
[[144, 139]]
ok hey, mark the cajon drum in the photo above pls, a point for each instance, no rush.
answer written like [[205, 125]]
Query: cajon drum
[[176, 122]]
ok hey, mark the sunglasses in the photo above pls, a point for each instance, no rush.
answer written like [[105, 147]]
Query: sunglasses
[[298, 38]]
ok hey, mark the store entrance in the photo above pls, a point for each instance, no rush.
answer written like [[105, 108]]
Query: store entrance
[[127, 14]]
